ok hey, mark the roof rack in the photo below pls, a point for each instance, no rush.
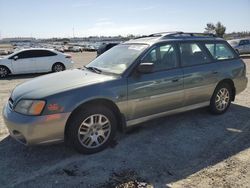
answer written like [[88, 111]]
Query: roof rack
[[179, 34], [162, 34], [183, 34]]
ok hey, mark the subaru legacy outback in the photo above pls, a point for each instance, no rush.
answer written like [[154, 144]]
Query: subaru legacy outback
[[133, 82]]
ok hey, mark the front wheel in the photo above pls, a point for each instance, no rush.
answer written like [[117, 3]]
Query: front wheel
[[4, 72], [221, 99], [92, 129]]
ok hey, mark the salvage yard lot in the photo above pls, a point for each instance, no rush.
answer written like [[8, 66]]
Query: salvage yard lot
[[192, 149]]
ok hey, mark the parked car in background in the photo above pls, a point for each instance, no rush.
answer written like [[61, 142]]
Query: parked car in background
[[34, 60], [59, 49], [242, 46], [75, 49], [89, 48], [4, 52], [133, 82], [105, 47]]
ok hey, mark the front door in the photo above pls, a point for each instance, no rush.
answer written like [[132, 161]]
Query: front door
[[159, 91], [23, 62]]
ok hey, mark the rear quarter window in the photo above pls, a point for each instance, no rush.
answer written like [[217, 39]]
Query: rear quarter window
[[220, 51]]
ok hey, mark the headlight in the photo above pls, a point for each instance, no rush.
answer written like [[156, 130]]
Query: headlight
[[30, 107]]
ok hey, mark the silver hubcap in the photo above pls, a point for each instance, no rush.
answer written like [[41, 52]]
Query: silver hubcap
[[94, 131], [58, 68], [3, 72], [222, 99]]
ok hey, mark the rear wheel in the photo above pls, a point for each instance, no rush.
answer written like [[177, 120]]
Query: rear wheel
[[58, 67], [91, 129], [4, 72], [221, 99]]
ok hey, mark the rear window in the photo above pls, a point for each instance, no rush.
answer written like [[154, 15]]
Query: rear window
[[220, 51]]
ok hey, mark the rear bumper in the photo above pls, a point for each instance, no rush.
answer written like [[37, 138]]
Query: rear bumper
[[35, 130], [69, 64]]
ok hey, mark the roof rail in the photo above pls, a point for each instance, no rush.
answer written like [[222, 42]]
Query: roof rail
[[183, 34], [161, 34], [176, 34]]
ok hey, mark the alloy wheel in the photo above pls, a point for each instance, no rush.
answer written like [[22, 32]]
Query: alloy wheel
[[58, 68], [94, 131], [3, 72], [222, 99]]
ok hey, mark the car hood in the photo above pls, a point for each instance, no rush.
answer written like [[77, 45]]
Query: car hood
[[50, 84]]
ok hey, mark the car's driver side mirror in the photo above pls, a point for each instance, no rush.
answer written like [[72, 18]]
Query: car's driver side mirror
[[145, 68], [15, 57]]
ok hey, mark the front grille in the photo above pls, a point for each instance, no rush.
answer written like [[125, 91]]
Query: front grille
[[11, 103]]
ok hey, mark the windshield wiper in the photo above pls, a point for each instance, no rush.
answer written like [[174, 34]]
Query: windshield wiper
[[94, 69]]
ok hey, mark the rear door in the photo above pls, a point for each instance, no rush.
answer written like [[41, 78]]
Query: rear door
[[24, 63], [44, 60], [199, 72], [159, 91]]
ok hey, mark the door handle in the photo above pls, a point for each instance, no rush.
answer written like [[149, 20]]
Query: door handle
[[175, 80]]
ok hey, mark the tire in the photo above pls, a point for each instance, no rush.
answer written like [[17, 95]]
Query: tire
[[221, 99], [90, 138], [4, 72], [58, 67]]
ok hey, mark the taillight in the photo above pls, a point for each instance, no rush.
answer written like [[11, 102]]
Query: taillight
[[68, 56]]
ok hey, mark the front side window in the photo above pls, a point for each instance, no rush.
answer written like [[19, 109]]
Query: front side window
[[192, 54], [220, 51], [164, 57], [118, 59], [25, 54]]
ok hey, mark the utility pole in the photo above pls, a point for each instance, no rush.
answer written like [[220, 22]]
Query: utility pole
[[73, 32]]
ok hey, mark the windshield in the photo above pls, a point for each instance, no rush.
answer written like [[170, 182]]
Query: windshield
[[117, 59]]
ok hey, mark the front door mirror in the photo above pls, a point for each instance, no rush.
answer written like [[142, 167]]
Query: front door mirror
[[15, 57], [145, 68]]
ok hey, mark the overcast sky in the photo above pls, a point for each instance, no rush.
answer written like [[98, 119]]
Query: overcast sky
[[65, 18]]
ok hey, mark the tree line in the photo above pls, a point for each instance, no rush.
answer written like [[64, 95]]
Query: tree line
[[220, 30]]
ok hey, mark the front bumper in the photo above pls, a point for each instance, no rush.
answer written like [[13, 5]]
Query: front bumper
[[35, 130]]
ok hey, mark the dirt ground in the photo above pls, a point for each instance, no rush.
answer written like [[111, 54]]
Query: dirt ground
[[192, 149]]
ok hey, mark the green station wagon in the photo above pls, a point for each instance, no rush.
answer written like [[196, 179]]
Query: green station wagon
[[133, 82]]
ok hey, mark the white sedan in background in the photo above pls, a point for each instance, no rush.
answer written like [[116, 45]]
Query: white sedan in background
[[35, 60]]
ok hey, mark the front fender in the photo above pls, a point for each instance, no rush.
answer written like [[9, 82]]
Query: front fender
[[68, 101]]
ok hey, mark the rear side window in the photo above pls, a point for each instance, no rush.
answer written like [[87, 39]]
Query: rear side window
[[193, 54], [220, 51], [42, 53]]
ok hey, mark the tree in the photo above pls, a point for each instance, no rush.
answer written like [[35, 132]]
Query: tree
[[217, 29], [210, 28]]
